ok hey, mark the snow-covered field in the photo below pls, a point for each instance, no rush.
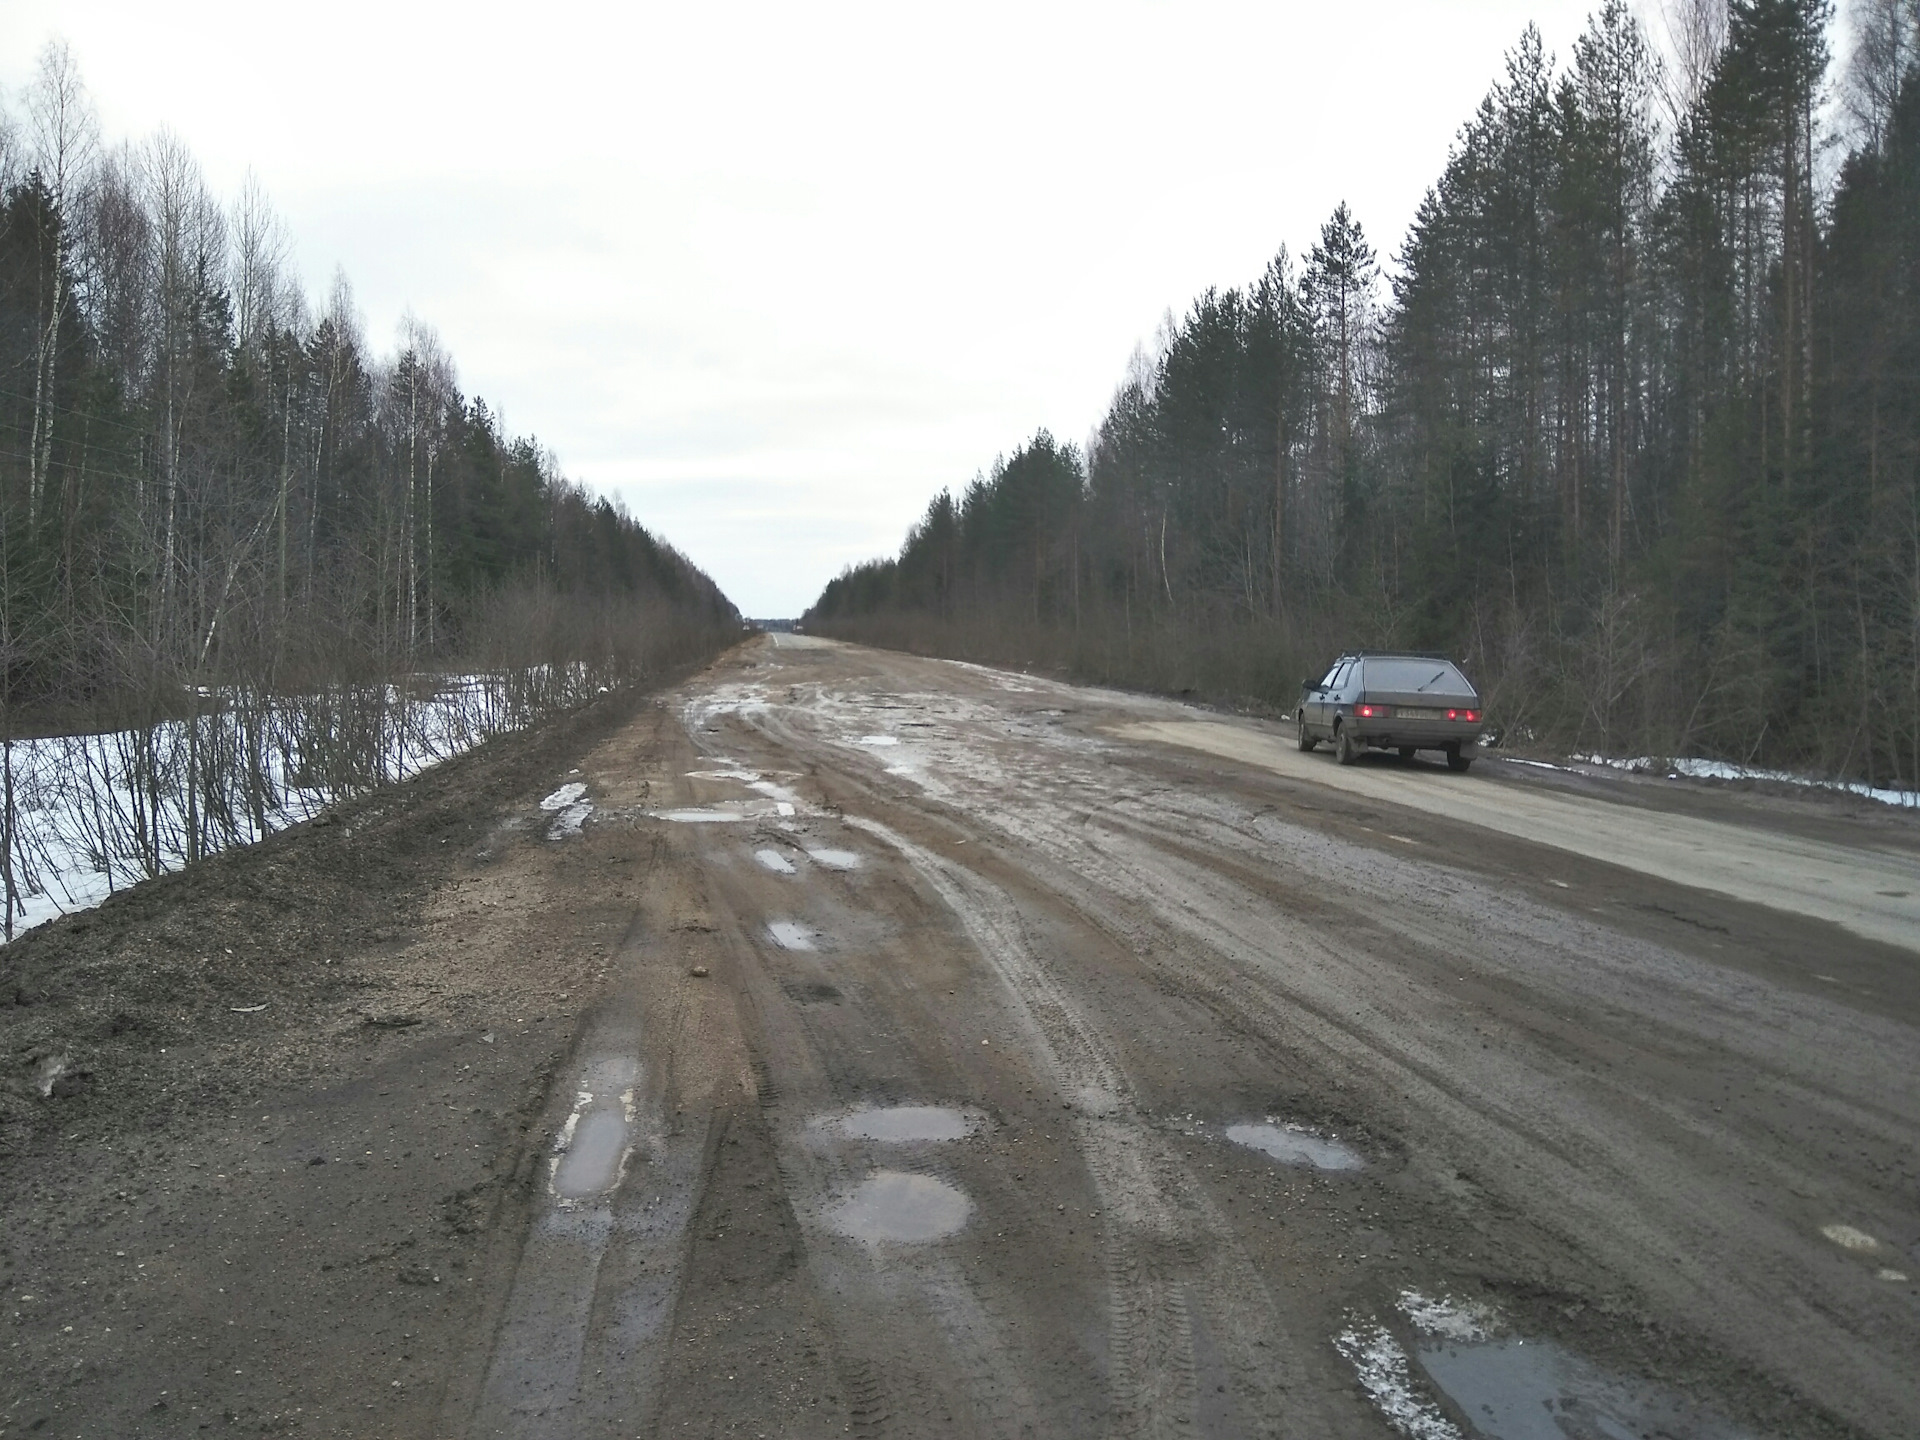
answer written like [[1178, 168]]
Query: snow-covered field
[[97, 813]]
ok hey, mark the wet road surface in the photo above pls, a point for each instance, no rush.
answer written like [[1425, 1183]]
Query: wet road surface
[[994, 1057]]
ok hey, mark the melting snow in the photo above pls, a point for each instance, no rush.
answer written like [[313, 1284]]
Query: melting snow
[[1381, 1364], [563, 797], [1447, 1318], [568, 822], [1722, 770]]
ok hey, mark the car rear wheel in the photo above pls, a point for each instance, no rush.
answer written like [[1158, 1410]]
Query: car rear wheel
[[1406, 752], [1344, 750], [1305, 739], [1457, 762]]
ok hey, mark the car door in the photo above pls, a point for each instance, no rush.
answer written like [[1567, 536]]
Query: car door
[[1320, 703]]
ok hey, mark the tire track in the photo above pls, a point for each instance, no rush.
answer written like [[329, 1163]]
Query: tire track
[[1156, 1222]]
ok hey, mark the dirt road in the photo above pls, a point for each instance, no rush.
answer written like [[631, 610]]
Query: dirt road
[[897, 1047]]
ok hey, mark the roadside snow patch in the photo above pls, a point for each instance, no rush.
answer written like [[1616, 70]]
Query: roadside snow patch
[[1723, 770], [879, 739], [563, 797]]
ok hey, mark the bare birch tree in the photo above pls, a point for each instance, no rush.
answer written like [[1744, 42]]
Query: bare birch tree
[[65, 139]]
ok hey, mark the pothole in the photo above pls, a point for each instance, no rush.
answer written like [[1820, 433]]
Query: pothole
[[593, 1145], [1533, 1390], [790, 935], [892, 1206], [774, 861], [835, 859], [1296, 1147], [594, 1156], [903, 1124], [1511, 1388]]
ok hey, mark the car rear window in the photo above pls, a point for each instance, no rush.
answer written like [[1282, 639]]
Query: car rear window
[[1420, 677]]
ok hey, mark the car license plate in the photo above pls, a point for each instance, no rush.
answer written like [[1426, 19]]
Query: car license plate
[[1415, 713]]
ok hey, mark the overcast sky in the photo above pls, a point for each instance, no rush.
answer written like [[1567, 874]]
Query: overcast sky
[[775, 274]]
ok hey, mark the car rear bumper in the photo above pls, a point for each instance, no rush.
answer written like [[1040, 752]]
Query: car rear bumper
[[1394, 733]]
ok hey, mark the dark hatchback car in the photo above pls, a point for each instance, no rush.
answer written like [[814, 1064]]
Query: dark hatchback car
[[1381, 701]]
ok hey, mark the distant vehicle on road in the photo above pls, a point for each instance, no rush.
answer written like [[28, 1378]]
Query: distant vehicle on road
[[1380, 700]]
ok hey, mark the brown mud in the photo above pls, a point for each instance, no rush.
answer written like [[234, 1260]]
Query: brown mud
[[1115, 1080]]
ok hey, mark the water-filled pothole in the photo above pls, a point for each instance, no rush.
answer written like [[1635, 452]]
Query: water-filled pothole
[[592, 1162], [835, 859], [594, 1143], [902, 1124], [1533, 1390], [1296, 1147], [698, 817], [790, 935], [774, 861], [893, 1206]]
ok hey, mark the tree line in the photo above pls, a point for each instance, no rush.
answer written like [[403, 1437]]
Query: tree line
[[1630, 423], [207, 480]]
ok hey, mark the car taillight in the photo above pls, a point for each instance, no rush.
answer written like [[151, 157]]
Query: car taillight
[[1373, 712], [1472, 717]]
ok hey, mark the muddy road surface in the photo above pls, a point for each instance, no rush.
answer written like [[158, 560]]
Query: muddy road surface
[[851, 1043]]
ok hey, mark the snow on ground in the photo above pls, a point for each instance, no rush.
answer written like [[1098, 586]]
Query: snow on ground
[[97, 813], [1723, 770]]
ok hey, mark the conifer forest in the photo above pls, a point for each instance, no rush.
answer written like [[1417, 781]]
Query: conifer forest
[[1628, 421]]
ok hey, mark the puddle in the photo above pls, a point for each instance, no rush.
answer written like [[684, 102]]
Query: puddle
[[879, 740], [593, 1144], [1533, 1390], [698, 817], [835, 859], [774, 861], [1508, 1388], [790, 935], [593, 1159], [744, 777], [898, 1124], [563, 797], [893, 1206], [1296, 1147]]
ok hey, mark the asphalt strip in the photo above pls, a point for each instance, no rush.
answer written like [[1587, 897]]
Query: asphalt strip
[[1847, 886]]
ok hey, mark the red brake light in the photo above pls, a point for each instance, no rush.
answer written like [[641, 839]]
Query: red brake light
[[1472, 717], [1372, 712]]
